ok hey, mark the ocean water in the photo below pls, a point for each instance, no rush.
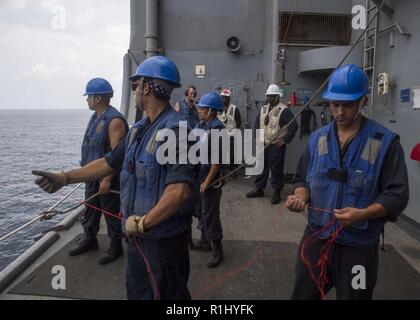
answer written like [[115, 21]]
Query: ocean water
[[34, 139]]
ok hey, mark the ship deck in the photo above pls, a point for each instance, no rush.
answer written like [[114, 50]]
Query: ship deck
[[260, 244]]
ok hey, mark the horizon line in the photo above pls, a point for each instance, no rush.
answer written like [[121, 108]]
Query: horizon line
[[48, 109]]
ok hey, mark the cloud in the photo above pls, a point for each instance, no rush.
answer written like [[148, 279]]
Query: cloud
[[39, 70], [47, 4], [56, 64], [14, 5]]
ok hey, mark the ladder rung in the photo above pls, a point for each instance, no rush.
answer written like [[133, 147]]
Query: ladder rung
[[368, 68], [370, 48], [370, 29]]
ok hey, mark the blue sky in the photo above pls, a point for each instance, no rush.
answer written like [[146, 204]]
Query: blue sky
[[51, 48]]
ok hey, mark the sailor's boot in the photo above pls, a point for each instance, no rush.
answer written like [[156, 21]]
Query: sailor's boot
[[115, 250], [256, 193], [216, 255], [275, 198], [85, 245], [201, 245]]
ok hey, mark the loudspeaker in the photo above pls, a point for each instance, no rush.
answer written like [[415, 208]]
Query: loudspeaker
[[233, 44]]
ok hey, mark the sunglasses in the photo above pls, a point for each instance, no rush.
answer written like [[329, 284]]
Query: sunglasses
[[134, 85]]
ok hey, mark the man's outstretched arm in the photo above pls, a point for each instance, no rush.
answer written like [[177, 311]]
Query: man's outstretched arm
[[111, 163], [93, 171], [53, 181]]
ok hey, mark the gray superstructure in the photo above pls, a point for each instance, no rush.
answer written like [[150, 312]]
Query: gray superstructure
[[315, 36], [298, 42]]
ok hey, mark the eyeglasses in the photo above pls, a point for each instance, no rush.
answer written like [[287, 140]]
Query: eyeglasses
[[134, 85]]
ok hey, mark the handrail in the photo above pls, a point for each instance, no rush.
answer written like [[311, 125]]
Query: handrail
[[39, 217]]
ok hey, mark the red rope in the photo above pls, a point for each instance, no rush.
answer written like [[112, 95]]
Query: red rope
[[320, 209], [138, 247], [321, 280], [117, 216], [154, 282]]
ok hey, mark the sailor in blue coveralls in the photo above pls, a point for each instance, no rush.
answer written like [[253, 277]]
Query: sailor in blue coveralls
[[106, 128], [353, 168], [209, 204], [187, 106], [152, 193], [188, 110]]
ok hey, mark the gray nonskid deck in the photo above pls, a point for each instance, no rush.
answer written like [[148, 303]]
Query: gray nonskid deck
[[260, 242]]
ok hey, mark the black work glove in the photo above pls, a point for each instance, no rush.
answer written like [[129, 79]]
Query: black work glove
[[50, 181]]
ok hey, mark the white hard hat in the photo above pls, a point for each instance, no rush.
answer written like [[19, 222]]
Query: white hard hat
[[225, 93], [274, 89]]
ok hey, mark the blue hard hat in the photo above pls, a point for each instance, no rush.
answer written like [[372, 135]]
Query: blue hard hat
[[347, 83], [158, 67], [98, 86], [211, 100]]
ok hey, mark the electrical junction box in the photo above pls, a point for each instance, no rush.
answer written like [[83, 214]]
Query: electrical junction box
[[259, 89], [383, 83]]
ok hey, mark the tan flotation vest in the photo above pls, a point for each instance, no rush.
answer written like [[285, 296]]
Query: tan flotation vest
[[273, 126], [228, 117]]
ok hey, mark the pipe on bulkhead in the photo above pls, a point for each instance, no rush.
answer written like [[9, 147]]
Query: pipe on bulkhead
[[152, 34], [275, 40], [392, 39], [126, 86]]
